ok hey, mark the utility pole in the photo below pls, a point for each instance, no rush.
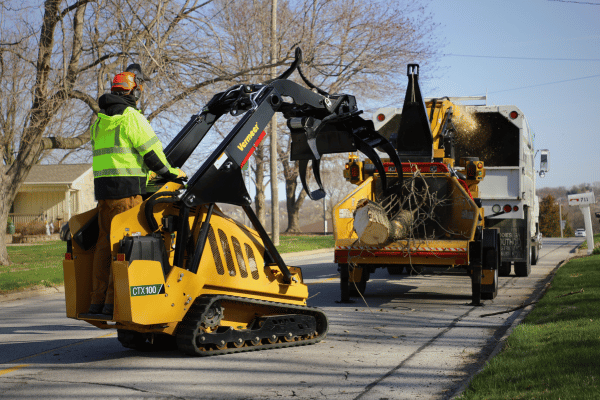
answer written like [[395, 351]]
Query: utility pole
[[324, 215], [274, 182], [560, 219]]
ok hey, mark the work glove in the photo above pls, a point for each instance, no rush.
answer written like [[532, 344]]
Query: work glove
[[181, 176], [169, 176]]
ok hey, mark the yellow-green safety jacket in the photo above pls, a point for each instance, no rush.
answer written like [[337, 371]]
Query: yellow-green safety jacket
[[125, 150]]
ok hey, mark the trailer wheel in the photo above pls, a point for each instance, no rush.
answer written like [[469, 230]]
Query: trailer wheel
[[504, 268]]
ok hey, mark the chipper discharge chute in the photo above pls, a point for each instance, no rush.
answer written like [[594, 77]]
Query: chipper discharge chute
[[431, 217], [186, 273]]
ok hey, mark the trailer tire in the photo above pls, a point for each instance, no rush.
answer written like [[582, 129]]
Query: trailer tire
[[504, 268]]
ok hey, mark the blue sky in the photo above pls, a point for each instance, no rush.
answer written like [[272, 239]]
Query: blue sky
[[529, 53]]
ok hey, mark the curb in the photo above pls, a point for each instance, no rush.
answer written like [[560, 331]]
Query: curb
[[305, 253], [517, 318], [30, 293]]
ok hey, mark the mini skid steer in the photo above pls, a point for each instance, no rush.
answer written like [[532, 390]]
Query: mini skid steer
[[184, 273]]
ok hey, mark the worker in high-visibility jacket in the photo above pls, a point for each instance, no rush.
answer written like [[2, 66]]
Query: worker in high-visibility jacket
[[126, 150]]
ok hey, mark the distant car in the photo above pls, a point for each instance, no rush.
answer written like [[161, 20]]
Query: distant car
[[580, 233]]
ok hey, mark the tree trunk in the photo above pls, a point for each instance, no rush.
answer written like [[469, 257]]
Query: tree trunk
[[8, 192], [4, 260], [293, 204]]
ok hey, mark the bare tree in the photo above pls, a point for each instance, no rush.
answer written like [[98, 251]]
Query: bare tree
[[55, 65], [356, 47]]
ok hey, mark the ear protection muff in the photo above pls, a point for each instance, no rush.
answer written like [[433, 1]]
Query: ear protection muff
[[139, 78]]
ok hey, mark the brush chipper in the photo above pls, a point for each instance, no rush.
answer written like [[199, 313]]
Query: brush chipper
[[433, 216]]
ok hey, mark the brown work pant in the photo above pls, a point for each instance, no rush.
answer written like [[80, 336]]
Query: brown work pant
[[102, 280]]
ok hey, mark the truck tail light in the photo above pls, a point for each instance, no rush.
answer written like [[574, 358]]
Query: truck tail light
[[513, 114], [68, 256], [507, 208], [516, 208], [380, 117], [471, 171]]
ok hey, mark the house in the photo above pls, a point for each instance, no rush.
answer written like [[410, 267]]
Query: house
[[54, 193]]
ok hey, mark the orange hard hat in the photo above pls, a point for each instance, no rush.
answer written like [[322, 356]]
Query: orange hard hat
[[124, 81]]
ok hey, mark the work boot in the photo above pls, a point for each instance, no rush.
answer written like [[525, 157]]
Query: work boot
[[108, 309], [95, 309]]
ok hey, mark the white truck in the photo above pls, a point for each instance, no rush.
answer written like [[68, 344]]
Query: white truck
[[500, 137]]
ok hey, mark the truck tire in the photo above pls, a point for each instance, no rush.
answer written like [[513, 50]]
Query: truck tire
[[523, 268], [504, 269], [534, 255]]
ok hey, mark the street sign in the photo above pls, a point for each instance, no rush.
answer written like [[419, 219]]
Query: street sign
[[581, 199]]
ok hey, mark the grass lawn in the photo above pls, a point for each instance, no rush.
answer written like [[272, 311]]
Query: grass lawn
[[290, 244], [555, 352], [41, 264]]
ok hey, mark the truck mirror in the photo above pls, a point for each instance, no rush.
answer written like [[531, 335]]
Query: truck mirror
[[543, 162]]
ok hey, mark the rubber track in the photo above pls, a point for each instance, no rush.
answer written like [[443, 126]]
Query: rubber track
[[186, 328]]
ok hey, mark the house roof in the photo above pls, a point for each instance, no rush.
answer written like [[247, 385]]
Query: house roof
[[50, 174]]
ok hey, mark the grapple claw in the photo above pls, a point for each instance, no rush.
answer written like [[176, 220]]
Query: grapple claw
[[320, 192], [367, 140]]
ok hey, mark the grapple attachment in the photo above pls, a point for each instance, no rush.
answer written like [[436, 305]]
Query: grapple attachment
[[319, 124]]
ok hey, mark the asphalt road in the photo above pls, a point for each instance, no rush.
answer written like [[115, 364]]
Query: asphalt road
[[411, 337]]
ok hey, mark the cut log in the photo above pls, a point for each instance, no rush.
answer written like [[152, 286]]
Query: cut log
[[401, 225], [373, 226], [371, 223]]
